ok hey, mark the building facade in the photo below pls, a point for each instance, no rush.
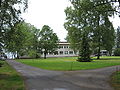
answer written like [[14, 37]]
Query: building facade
[[63, 50]]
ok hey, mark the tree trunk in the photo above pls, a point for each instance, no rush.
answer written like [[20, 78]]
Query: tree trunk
[[98, 55], [18, 56], [110, 53], [14, 56], [36, 56], [44, 55]]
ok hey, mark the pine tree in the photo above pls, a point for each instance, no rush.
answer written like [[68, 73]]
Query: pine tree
[[85, 48]]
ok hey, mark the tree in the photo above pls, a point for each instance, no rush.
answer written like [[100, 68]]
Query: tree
[[34, 42], [103, 26], [78, 22], [107, 2], [14, 39], [108, 32], [117, 44], [10, 11], [85, 48], [48, 40], [118, 38], [117, 52], [86, 14], [22, 39], [104, 37]]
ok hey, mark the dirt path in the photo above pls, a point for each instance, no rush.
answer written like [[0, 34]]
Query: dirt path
[[39, 79]]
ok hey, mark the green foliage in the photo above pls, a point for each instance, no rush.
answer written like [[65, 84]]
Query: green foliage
[[33, 54], [85, 48], [118, 38], [64, 63], [25, 39], [48, 41], [10, 11], [21, 39], [117, 52], [14, 38], [92, 16]]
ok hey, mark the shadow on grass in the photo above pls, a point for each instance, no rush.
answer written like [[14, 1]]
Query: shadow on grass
[[110, 58], [4, 76], [10, 82], [9, 77]]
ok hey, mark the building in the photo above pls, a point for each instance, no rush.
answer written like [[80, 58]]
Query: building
[[63, 50], [104, 53]]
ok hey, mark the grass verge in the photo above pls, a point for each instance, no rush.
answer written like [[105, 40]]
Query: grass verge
[[9, 78], [115, 80], [70, 63]]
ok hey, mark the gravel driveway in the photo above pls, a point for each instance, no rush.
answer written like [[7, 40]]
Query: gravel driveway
[[39, 79]]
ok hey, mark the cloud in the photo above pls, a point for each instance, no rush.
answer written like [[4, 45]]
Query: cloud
[[47, 12]]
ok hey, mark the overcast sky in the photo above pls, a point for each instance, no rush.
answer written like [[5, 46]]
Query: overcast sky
[[51, 12], [47, 12]]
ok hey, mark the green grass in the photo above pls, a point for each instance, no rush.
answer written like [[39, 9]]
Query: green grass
[[70, 63], [9, 78], [115, 80]]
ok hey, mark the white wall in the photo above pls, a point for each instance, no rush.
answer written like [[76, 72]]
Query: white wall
[[65, 49]]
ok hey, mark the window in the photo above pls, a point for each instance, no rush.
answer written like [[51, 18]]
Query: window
[[60, 47], [70, 52], [66, 52], [50, 53], [66, 46], [56, 53], [61, 52]]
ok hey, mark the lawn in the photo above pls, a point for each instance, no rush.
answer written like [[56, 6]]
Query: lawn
[[9, 78], [70, 63], [115, 80]]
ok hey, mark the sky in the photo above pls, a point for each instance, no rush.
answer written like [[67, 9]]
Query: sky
[[51, 13], [47, 12]]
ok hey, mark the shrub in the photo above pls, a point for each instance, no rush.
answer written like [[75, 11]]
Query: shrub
[[84, 59], [34, 54], [117, 52]]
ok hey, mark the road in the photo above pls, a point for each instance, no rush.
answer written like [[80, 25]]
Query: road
[[39, 79]]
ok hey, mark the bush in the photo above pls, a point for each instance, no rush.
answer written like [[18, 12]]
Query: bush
[[117, 52], [33, 54], [82, 59]]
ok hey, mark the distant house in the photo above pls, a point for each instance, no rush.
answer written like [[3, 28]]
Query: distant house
[[104, 53], [63, 50]]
